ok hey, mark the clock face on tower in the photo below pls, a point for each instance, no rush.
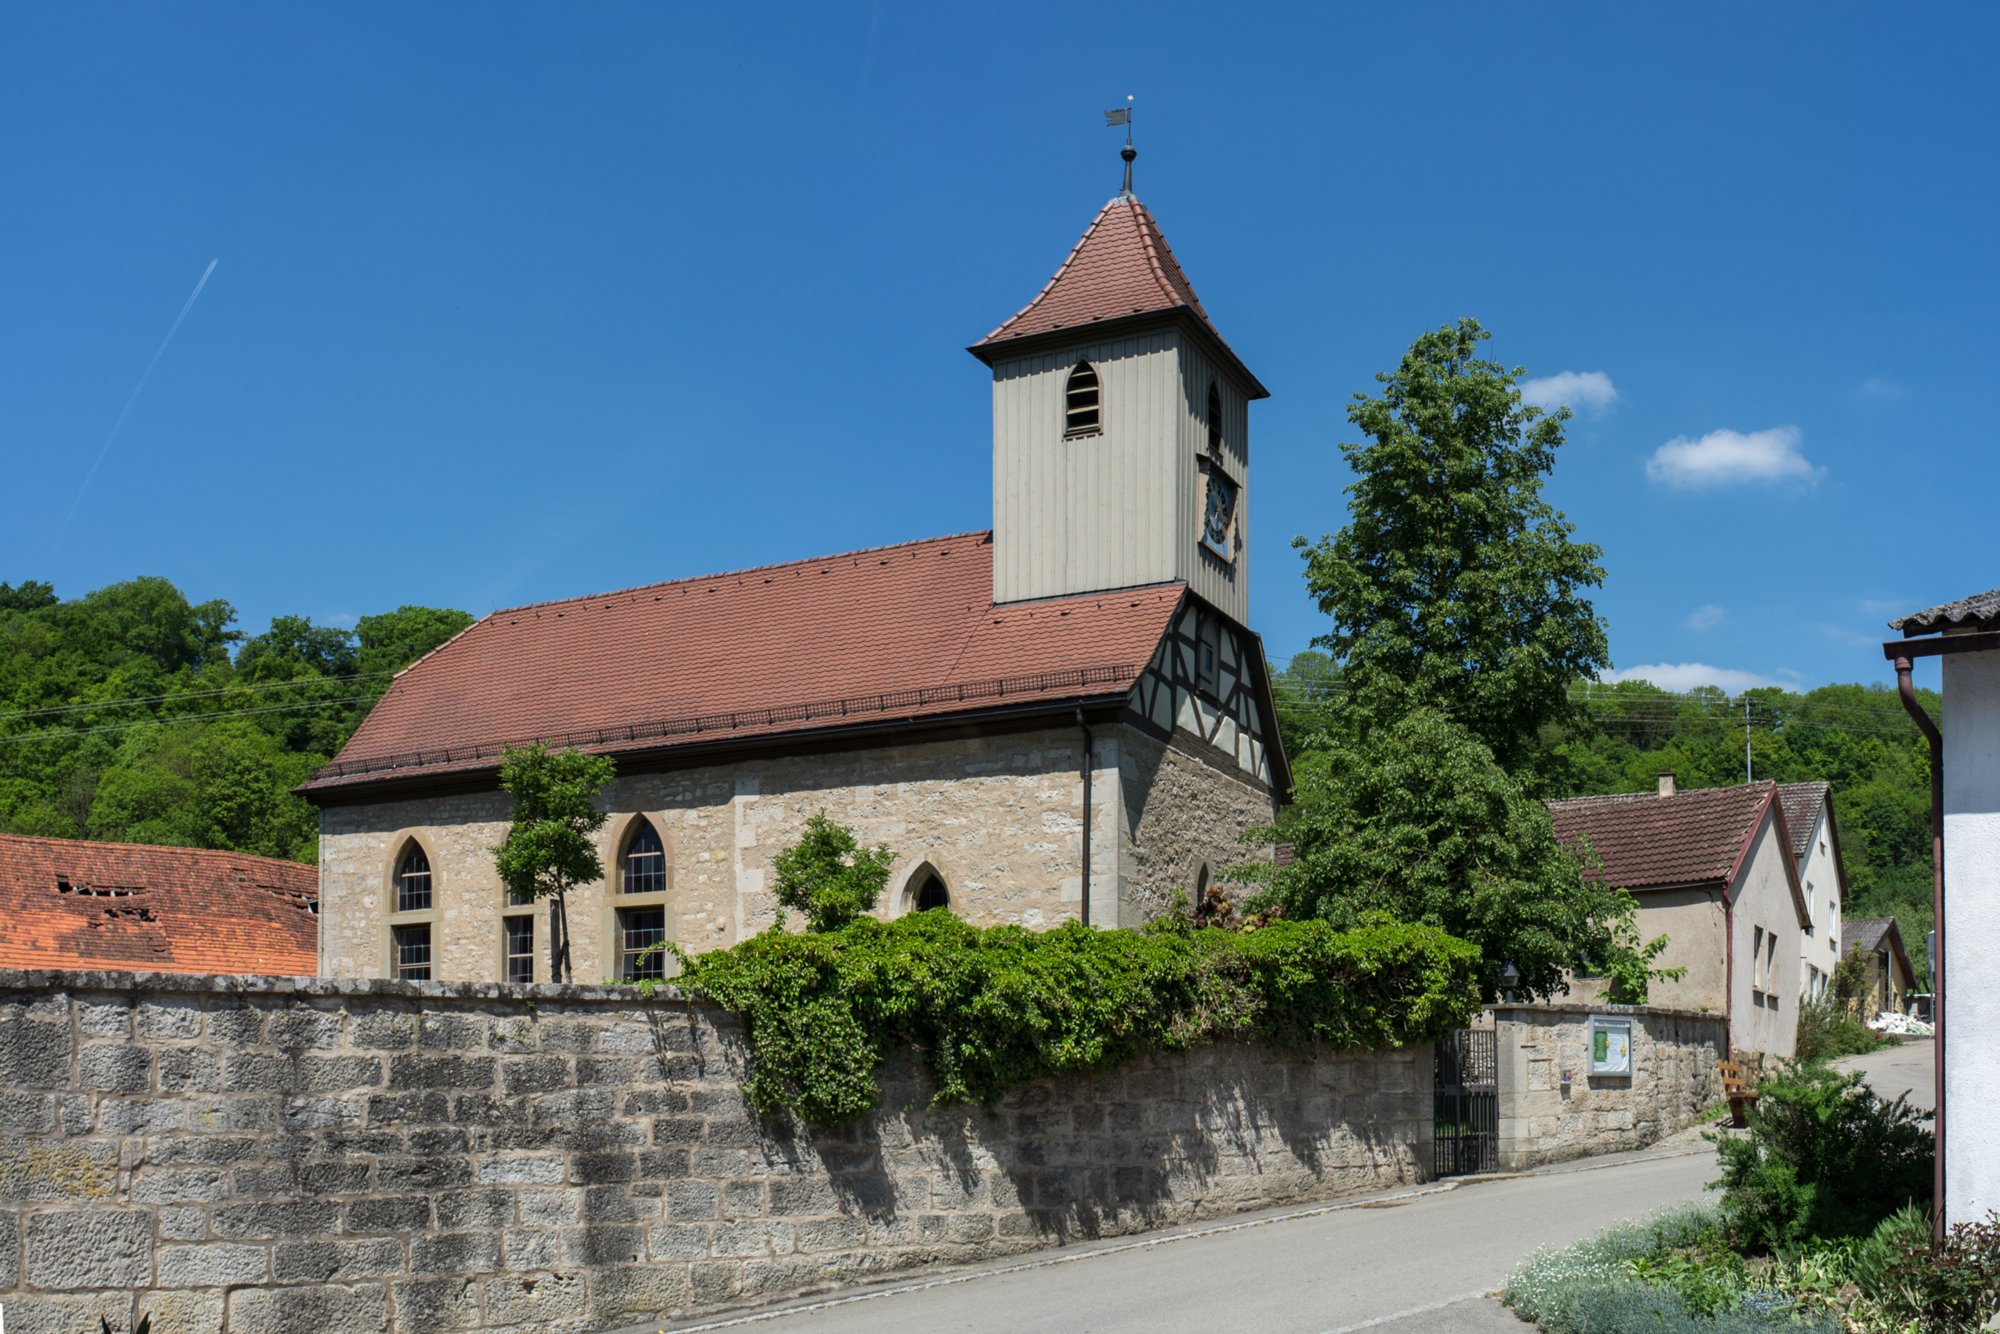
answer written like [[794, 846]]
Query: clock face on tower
[[1221, 513]]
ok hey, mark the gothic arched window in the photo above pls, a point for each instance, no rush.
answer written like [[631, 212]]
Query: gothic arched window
[[413, 880], [930, 892], [643, 868], [1082, 404]]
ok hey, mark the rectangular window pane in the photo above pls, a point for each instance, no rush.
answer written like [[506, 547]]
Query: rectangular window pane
[[646, 873], [413, 891], [640, 930], [520, 949], [413, 952], [517, 898]]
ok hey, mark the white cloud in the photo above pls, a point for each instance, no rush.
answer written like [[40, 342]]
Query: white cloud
[[1589, 390], [1730, 458], [1688, 675], [1705, 617]]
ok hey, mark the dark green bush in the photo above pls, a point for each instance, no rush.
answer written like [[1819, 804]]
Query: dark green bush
[[1828, 1031], [1949, 1289], [1824, 1158], [989, 1009]]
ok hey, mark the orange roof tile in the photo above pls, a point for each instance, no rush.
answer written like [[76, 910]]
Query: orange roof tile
[[878, 636], [1121, 267], [129, 907], [1647, 841]]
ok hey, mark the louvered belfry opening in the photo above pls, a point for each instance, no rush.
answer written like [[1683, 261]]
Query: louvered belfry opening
[[1082, 402]]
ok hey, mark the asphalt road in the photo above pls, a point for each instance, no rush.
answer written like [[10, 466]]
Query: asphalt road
[[1408, 1263], [1904, 1068]]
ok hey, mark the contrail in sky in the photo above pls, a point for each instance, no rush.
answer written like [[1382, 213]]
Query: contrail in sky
[[137, 389]]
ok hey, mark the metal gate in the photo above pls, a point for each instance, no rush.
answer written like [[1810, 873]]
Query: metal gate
[[1467, 1103]]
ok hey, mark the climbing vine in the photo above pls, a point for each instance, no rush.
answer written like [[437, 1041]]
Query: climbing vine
[[990, 1009]]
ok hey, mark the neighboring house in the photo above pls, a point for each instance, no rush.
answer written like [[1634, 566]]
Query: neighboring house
[[1712, 870], [1965, 777], [1822, 876], [138, 908], [1063, 718], [1890, 977]]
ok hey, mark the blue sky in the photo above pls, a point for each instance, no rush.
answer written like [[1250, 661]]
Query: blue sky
[[514, 302]]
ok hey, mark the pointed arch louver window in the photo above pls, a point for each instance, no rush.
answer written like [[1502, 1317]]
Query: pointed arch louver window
[[1083, 412], [1218, 521]]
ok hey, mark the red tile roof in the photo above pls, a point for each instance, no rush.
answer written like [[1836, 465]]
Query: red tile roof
[[1803, 803], [1121, 267], [883, 635], [130, 906], [1647, 841]]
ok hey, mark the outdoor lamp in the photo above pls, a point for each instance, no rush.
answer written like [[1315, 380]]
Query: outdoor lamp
[[1510, 977]]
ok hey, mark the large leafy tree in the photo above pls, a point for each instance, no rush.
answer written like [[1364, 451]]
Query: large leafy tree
[[829, 876], [550, 848], [1455, 585], [1415, 818]]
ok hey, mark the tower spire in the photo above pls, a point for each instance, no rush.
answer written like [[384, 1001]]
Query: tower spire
[[1123, 116]]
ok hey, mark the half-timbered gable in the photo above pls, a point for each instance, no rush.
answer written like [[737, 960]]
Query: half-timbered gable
[[1208, 683]]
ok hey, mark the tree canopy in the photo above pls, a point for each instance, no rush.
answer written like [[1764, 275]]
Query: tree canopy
[[550, 849], [1455, 586], [132, 714]]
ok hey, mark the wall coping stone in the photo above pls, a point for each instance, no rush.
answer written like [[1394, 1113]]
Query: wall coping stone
[[254, 984], [1579, 1007]]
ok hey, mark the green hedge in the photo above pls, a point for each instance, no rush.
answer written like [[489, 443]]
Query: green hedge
[[990, 1009]]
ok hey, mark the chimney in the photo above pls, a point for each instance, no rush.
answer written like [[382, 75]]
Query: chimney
[[1666, 785]]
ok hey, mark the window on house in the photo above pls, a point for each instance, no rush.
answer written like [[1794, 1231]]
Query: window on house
[[643, 869], [520, 898], [641, 933], [1082, 403], [931, 893], [1812, 909], [1757, 959], [413, 881], [412, 947], [1771, 962], [1208, 654], [520, 948]]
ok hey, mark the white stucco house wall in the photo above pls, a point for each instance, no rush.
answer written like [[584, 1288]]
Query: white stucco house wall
[[1822, 876], [1966, 636]]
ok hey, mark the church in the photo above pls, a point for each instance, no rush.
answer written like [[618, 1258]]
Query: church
[[1065, 718]]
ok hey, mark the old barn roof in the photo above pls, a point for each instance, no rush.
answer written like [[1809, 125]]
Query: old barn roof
[[875, 637], [128, 906], [1121, 268], [1647, 841]]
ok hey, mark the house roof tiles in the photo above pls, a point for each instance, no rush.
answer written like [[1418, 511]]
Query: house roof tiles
[[1646, 841], [1980, 608], [1803, 804], [897, 633], [1121, 267], [70, 904]]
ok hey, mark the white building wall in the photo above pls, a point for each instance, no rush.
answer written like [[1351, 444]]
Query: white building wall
[[1764, 1005], [1972, 934], [1819, 873]]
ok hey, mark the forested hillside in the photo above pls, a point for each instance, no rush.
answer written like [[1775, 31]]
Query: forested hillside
[[133, 715], [1855, 737]]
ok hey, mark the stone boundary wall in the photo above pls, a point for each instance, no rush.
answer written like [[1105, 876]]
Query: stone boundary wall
[[1552, 1108], [285, 1156]]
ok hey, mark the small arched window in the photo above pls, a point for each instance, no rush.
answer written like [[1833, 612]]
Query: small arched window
[[1082, 403], [930, 893], [413, 881], [644, 865]]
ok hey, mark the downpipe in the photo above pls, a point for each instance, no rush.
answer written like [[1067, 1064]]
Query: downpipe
[[1089, 763], [1907, 690]]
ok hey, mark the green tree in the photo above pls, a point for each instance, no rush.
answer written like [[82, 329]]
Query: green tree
[[1455, 585], [1415, 818], [829, 876], [393, 640], [549, 849]]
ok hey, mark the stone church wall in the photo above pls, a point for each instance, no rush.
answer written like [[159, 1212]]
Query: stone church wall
[[1181, 814], [259, 1156], [999, 817]]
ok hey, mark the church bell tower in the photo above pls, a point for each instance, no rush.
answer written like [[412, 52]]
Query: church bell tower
[[1121, 452]]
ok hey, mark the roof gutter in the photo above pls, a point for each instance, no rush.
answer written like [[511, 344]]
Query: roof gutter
[[1901, 653]]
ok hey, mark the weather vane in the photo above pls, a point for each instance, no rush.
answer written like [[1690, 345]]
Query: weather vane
[[1123, 116]]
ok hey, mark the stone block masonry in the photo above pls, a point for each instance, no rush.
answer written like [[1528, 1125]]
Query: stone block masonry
[[263, 1156], [1552, 1108]]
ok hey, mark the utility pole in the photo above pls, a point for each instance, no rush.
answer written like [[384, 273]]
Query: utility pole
[[1748, 775]]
